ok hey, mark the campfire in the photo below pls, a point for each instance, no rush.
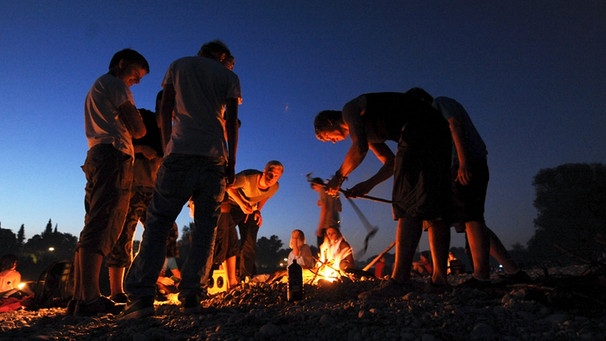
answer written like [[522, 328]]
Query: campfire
[[328, 269]]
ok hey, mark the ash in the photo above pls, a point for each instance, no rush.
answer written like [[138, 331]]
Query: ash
[[260, 311]]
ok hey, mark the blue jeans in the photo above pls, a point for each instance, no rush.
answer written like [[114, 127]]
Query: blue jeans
[[179, 178]]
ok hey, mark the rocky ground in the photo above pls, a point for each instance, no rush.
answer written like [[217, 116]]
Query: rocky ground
[[561, 306]]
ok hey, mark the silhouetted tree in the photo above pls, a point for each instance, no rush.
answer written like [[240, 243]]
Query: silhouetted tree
[[571, 205], [9, 242], [21, 236], [268, 256], [48, 230], [42, 250]]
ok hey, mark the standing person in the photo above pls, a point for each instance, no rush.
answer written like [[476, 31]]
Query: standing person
[[200, 153], [111, 121], [421, 189], [300, 251], [330, 206], [148, 156], [242, 207], [470, 177]]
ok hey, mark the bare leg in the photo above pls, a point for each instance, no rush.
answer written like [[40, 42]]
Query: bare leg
[[116, 279], [230, 268], [498, 252], [90, 261], [479, 246], [439, 243], [408, 234], [77, 292]]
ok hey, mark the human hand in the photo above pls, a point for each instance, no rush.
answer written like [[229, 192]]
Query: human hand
[[463, 175], [334, 184], [167, 281], [358, 190]]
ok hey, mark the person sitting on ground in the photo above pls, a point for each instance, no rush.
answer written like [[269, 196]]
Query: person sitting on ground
[[171, 275], [301, 252], [423, 266], [336, 250], [13, 295], [9, 276]]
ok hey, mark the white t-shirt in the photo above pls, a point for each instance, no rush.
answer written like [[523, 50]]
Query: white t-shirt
[[101, 121], [202, 87]]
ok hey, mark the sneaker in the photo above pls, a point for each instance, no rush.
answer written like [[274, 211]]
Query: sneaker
[[474, 283], [120, 298], [100, 305], [388, 288], [191, 305], [138, 308]]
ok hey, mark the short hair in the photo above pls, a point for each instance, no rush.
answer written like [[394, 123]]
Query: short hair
[[7, 261], [274, 163], [130, 56], [326, 120], [316, 181], [210, 49], [421, 94]]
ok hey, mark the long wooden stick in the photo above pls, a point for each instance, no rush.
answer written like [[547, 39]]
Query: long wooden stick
[[377, 258]]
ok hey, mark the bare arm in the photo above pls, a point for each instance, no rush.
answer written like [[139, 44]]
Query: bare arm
[[165, 116], [352, 116], [235, 196], [131, 117], [386, 156], [456, 130]]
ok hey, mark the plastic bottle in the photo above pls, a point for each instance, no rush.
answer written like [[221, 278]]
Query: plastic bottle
[[294, 291]]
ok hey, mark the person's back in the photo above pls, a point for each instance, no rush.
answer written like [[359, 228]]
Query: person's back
[[388, 112], [203, 85], [198, 123], [475, 146]]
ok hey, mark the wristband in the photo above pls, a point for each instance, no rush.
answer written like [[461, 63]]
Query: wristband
[[340, 178]]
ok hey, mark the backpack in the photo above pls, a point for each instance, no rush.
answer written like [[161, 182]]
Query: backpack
[[55, 285]]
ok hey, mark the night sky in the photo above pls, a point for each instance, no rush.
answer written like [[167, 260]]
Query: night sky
[[530, 73]]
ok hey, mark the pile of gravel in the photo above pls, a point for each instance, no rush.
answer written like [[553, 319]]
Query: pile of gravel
[[260, 311]]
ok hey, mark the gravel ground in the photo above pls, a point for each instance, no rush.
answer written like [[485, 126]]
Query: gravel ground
[[563, 308]]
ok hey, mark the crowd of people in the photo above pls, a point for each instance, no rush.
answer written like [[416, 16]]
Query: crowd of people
[[144, 166]]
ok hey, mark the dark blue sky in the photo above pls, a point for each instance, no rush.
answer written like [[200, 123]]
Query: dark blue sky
[[530, 73]]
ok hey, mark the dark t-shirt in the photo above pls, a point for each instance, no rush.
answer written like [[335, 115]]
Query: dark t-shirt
[[388, 113]]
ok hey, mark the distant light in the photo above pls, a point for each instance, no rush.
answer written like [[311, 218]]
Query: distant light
[[21, 286], [51, 249]]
